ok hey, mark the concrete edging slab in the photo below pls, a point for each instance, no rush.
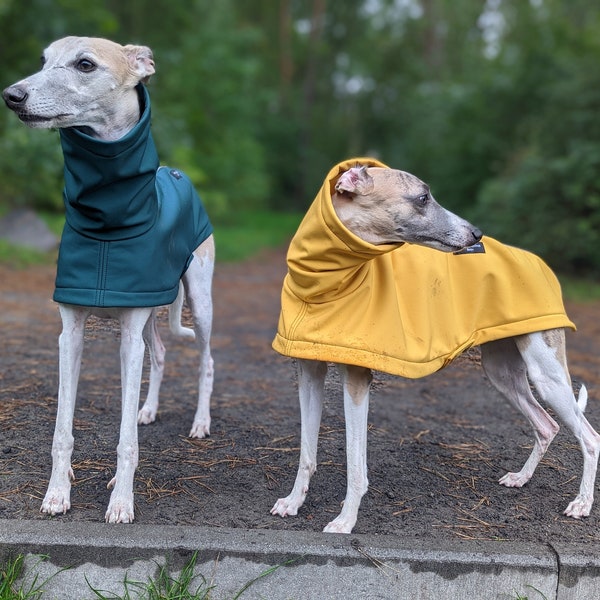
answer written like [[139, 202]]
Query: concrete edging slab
[[323, 565]]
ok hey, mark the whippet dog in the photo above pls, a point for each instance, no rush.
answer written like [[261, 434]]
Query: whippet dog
[[92, 89], [381, 206]]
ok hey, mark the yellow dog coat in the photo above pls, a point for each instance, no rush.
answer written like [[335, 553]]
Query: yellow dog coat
[[404, 309]]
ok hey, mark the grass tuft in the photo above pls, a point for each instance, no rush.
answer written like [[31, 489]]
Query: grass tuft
[[11, 585]]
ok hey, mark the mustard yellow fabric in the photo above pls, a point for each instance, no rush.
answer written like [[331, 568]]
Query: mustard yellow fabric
[[404, 309]]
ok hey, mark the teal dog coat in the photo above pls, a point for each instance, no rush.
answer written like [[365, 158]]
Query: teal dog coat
[[131, 226]]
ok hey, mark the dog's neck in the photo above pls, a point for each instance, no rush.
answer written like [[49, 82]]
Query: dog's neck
[[119, 121]]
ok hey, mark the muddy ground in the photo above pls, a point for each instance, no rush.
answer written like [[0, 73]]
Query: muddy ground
[[437, 446]]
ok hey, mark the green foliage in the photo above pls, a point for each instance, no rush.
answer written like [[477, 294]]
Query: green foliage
[[494, 104], [31, 166], [549, 204], [209, 126], [547, 196]]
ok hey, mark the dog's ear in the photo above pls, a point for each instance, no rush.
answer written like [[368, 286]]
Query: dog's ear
[[141, 61], [355, 181]]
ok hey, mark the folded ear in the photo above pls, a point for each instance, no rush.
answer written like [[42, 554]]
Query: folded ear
[[141, 61], [355, 181]]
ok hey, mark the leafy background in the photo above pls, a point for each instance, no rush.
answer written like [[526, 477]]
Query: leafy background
[[494, 103]]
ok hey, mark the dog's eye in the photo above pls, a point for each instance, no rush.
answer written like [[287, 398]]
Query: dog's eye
[[422, 199], [85, 65]]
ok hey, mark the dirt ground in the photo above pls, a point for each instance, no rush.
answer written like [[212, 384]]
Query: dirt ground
[[437, 446]]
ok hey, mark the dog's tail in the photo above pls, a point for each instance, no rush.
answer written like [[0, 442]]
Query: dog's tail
[[175, 317], [582, 398]]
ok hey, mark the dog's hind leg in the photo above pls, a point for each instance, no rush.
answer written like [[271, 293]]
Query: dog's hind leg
[[198, 289], [507, 371], [356, 383], [545, 356], [133, 321], [156, 349], [311, 384], [70, 343]]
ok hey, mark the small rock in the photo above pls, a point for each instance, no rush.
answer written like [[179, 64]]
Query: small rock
[[23, 227]]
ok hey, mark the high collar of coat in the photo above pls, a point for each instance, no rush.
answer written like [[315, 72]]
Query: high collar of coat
[[325, 258], [109, 189]]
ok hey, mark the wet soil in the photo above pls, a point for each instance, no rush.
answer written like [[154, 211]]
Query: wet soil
[[437, 446]]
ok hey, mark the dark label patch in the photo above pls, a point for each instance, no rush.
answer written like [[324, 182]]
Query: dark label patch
[[175, 173], [477, 248]]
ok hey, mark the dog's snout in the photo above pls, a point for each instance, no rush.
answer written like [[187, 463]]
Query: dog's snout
[[14, 96]]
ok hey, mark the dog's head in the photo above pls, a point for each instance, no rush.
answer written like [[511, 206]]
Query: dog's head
[[82, 82], [387, 206]]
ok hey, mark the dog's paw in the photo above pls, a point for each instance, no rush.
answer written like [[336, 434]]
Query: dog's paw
[[56, 501], [120, 511], [580, 507], [200, 429], [287, 507], [146, 416], [514, 480], [340, 525]]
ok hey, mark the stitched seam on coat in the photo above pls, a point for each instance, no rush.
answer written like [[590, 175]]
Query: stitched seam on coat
[[102, 271]]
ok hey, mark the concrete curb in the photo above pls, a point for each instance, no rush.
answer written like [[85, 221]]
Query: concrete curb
[[325, 566]]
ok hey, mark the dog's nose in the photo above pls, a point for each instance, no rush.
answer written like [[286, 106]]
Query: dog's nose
[[477, 234], [14, 96]]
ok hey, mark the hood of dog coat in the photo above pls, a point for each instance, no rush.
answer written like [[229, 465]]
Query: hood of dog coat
[[109, 189], [131, 227], [404, 309]]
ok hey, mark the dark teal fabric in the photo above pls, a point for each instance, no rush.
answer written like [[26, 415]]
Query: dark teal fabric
[[131, 227]]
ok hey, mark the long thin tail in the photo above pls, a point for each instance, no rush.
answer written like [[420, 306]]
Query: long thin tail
[[175, 317], [582, 398]]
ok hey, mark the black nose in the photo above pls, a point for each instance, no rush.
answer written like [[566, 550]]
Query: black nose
[[477, 234], [14, 96]]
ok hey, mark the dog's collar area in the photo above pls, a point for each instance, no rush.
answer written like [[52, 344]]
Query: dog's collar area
[[109, 185]]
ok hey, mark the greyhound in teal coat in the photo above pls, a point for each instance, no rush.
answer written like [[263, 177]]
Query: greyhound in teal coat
[[136, 237]]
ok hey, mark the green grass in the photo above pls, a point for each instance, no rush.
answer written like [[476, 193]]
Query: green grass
[[537, 593], [11, 588], [248, 233], [186, 586], [579, 289], [164, 587], [20, 257]]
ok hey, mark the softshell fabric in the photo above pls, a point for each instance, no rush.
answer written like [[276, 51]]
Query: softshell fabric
[[131, 227], [404, 309]]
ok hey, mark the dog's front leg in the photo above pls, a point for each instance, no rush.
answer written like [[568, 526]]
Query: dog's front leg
[[133, 321], [311, 383], [356, 383], [70, 344]]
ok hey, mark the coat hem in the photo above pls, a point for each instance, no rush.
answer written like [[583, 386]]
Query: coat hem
[[413, 369]]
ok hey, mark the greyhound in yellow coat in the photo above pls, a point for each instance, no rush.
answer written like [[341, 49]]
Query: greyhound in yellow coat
[[363, 248]]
